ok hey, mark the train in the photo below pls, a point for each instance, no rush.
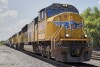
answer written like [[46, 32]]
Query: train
[[57, 32]]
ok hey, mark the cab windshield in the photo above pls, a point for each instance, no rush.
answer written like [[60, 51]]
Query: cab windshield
[[54, 11]]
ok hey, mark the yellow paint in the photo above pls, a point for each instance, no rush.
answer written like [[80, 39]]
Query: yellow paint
[[25, 37], [41, 30], [52, 28], [36, 33], [19, 38]]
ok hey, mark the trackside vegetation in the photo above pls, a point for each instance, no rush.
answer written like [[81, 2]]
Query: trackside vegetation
[[2, 42], [92, 23]]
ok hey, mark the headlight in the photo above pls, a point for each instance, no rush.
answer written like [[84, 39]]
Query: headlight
[[85, 35], [64, 5], [67, 35]]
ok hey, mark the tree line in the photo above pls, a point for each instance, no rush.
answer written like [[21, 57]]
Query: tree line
[[92, 24], [2, 42]]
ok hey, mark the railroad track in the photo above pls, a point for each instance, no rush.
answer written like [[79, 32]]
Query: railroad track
[[96, 55], [56, 63]]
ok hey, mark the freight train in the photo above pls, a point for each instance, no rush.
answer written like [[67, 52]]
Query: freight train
[[57, 32]]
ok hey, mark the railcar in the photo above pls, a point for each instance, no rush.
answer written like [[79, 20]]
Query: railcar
[[9, 42], [58, 32], [13, 40], [23, 37], [18, 40], [30, 36]]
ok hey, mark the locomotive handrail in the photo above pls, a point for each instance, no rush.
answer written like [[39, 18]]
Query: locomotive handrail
[[90, 37], [53, 36], [56, 36], [55, 33], [87, 32]]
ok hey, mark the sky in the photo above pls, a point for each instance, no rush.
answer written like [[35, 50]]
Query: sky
[[14, 14]]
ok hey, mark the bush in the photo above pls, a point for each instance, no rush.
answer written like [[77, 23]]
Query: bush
[[2, 42]]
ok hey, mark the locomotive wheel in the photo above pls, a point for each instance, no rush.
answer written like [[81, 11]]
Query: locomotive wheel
[[48, 52], [48, 55], [21, 47], [86, 56], [12, 46], [42, 53], [16, 46]]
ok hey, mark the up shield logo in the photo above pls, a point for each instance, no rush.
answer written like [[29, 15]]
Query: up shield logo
[[69, 25]]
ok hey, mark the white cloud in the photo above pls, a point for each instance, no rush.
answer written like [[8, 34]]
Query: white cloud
[[10, 30], [3, 4], [9, 13], [5, 14], [12, 13], [99, 1], [17, 26], [4, 1], [21, 24]]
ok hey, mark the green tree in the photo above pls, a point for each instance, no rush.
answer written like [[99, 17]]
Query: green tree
[[92, 22]]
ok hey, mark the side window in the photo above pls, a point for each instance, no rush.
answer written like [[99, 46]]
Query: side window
[[42, 15], [36, 27]]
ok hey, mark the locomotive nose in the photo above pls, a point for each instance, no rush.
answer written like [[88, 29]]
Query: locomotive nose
[[75, 52]]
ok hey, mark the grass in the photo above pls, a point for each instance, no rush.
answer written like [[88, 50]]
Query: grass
[[2, 43]]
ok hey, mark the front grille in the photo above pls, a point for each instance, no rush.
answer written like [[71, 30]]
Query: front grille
[[75, 51]]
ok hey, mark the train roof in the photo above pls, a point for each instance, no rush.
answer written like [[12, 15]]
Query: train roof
[[58, 5], [36, 20], [25, 28], [19, 32]]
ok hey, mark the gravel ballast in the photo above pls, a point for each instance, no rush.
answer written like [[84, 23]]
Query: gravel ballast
[[12, 58], [94, 62]]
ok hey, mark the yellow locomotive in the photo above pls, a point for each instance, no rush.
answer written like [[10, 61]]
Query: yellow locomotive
[[58, 32]]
